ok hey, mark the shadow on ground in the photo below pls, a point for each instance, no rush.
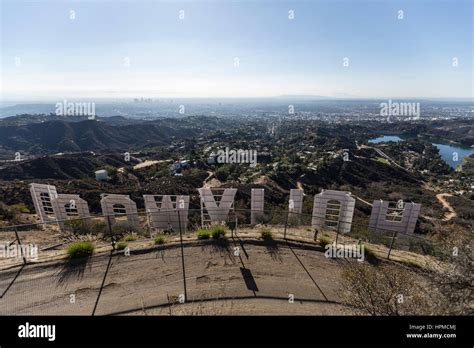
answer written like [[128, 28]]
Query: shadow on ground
[[273, 249], [73, 269], [221, 247]]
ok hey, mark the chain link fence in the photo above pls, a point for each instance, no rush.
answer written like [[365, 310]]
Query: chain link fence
[[156, 279]]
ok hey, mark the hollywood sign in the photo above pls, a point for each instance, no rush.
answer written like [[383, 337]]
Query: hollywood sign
[[331, 209]]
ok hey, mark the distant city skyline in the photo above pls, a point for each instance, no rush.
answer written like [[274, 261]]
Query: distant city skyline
[[51, 50]]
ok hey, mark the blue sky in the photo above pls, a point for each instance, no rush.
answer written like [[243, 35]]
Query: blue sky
[[47, 55]]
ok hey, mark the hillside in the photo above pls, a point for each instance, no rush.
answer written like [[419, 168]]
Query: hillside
[[307, 154], [73, 166], [33, 138]]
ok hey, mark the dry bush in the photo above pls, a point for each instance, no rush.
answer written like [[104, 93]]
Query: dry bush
[[385, 289], [446, 288], [454, 276]]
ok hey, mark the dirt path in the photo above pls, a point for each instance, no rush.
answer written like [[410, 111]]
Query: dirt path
[[148, 163], [362, 200], [210, 181], [452, 214], [144, 164]]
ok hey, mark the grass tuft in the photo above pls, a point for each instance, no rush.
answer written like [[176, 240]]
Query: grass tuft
[[266, 234], [323, 241], [160, 240], [218, 232], [203, 234], [121, 245], [129, 238], [80, 249]]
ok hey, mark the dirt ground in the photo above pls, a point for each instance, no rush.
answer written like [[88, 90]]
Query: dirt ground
[[257, 278]]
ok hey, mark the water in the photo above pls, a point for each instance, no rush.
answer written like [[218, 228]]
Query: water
[[448, 152], [385, 138]]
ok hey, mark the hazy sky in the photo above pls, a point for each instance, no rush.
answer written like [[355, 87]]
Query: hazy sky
[[46, 54]]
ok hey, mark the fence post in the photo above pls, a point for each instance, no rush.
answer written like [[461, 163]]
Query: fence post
[[286, 224], [21, 245], [236, 223], [112, 237], [182, 257], [232, 227], [337, 232], [391, 244]]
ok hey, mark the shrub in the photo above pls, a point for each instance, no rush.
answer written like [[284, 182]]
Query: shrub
[[222, 173], [421, 246], [294, 220], [119, 230], [359, 232], [80, 249], [369, 251], [203, 234], [121, 245], [218, 232], [98, 227], [370, 255], [129, 238], [277, 219], [7, 213], [20, 208], [371, 290], [160, 240], [455, 282], [266, 234], [324, 241], [78, 227], [123, 228]]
